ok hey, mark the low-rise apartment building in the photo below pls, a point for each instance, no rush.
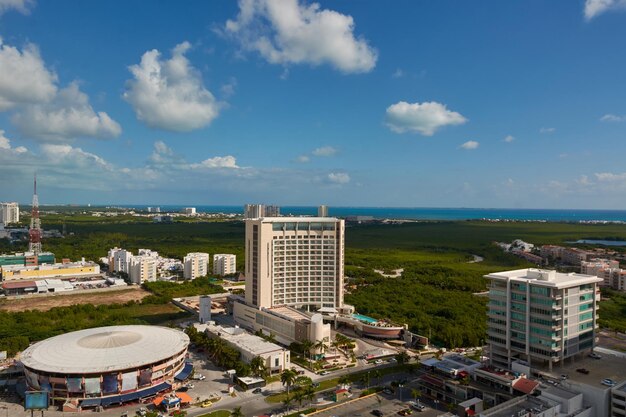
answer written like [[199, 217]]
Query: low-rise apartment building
[[224, 264], [196, 264]]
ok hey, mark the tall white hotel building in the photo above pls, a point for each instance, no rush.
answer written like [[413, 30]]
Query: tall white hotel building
[[295, 261]]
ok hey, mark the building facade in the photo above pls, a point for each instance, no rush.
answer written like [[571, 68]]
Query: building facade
[[119, 260], [541, 316], [142, 268], [9, 213], [224, 264], [255, 211], [196, 264], [295, 261], [61, 270]]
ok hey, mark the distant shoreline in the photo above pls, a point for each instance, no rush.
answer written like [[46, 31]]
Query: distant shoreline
[[401, 214]]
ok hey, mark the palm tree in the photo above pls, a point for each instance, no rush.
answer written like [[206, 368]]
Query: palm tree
[[309, 393], [236, 412], [287, 402], [271, 338], [306, 349], [321, 346], [288, 377], [415, 393], [377, 375], [403, 357], [299, 397], [257, 365], [344, 379]]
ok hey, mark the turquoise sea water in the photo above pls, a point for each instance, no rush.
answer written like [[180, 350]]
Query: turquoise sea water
[[559, 215]]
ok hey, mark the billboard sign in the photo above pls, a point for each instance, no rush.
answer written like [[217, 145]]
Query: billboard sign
[[36, 400]]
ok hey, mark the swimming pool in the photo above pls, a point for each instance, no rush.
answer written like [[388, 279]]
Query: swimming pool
[[363, 318]]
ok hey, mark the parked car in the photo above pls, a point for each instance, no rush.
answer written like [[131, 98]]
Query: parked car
[[595, 355], [257, 391], [564, 376], [388, 390], [190, 386], [378, 361], [142, 412], [609, 382], [417, 406], [405, 412], [377, 413], [315, 384], [324, 372], [182, 389], [583, 370]]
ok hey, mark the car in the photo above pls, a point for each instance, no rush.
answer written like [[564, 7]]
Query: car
[[190, 386], [315, 384], [324, 372], [388, 390], [583, 370], [564, 376], [206, 403], [182, 389], [300, 372], [377, 413], [405, 412], [609, 382], [378, 361], [142, 412], [594, 355], [417, 406], [257, 391]]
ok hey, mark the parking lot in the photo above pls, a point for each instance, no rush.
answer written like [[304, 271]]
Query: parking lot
[[365, 406]]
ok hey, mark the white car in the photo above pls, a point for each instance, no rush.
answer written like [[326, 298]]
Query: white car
[[324, 372], [378, 361], [416, 406], [609, 382]]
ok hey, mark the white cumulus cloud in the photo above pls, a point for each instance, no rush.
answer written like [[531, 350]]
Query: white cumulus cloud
[[67, 115], [612, 118], [169, 94], [64, 154], [22, 6], [325, 151], [291, 32], [595, 8], [24, 77], [425, 118], [610, 177], [547, 130], [339, 177], [303, 159], [5, 145], [509, 139], [470, 144], [227, 161]]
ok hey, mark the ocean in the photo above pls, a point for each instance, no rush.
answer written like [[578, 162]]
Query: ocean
[[552, 215]]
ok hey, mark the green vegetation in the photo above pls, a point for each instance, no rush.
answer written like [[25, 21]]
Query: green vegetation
[[217, 413], [613, 310], [164, 291], [219, 352], [18, 330]]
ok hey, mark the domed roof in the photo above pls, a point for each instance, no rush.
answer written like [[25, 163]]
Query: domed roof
[[105, 349]]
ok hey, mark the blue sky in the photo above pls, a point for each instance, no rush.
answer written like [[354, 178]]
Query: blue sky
[[411, 103]]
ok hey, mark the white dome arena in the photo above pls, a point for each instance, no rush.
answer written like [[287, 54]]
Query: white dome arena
[[107, 365]]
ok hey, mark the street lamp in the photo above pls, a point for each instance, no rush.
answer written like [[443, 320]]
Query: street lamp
[[400, 386], [436, 405]]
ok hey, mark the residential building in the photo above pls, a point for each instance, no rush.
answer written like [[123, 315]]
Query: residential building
[[9, 213], [255, 211], [119, 260], [196, 264], [224, 264], [541, 316], [552, 402], [295, 261], [322, 211], [142, 268], [189, 211], [607, 269]]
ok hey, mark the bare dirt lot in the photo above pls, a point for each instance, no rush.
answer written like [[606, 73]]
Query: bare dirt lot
[[98, 297], [612, 340]]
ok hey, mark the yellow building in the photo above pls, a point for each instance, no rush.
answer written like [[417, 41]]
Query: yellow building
[[64, 270]]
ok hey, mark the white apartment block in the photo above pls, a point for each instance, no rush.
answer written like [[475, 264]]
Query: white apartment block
[[142, 268], [196, 264], [295, 261], [189, 211], [255, 211], [119, 260], [541, 316], [224, 264], [9, 213]]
